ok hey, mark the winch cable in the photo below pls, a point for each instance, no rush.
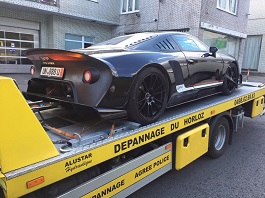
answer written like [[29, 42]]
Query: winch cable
[[112, 130], [70, 135], [67, 148], [59, 131], [40, 105]]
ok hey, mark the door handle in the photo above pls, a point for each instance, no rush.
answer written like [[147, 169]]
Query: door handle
[[191, 61]]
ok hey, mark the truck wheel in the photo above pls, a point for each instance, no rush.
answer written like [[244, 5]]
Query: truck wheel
[[219, 135]]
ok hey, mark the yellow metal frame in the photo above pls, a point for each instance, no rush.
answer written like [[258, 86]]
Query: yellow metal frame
[[257, 106], [24, 142], [129, 178], [191, 145], [3, 183]]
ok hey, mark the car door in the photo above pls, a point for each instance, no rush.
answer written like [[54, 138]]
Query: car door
[[204, 70], [177, 60]]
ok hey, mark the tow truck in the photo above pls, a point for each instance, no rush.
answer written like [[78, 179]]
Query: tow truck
[[48, 151]]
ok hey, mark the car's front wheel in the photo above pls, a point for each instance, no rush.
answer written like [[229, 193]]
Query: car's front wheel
[[148, 97]]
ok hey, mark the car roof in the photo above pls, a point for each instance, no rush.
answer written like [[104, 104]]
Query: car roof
[[146, 41], [163, 33]]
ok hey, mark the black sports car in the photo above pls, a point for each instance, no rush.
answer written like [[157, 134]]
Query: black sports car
[[140, 74]]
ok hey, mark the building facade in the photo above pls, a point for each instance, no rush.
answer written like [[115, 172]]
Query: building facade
[[26, 24], [254, 57], [220, 23]]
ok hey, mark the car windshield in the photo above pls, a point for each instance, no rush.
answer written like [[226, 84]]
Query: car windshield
[[128, 40]]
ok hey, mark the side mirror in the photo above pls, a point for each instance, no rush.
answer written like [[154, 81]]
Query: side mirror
[[213, 51]]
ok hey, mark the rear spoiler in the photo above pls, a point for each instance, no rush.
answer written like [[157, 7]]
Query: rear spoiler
[[49, 55]]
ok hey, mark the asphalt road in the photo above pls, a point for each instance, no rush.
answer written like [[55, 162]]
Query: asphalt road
[[22, 80], [239, 173]]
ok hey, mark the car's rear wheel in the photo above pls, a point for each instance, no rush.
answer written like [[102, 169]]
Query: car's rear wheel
[[148, 97], [230, 79]]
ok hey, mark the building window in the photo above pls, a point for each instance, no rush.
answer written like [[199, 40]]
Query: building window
[[130, 6], [252, 52], [13, 45], [228, 5], [226, 44], [76, 41]]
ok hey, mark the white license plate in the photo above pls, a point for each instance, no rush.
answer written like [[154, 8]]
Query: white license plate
[[52, 72]]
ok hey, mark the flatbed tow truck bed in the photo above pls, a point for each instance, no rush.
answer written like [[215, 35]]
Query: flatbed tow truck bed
[[63, 120], [69, 157]]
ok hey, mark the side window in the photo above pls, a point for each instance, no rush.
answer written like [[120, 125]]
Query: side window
[[166, 45], [188, 43]]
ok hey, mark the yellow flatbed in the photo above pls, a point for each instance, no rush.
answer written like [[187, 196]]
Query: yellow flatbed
[[53, 153]]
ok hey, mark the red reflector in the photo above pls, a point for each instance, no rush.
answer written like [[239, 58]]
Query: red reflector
[[169, 146], [32, 70], [87, 76], [35, 182]]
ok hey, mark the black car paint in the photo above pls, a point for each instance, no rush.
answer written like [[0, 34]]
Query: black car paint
[[130, 64], [81, 91], [119, 68]]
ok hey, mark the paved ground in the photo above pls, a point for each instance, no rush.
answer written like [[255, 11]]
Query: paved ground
[[22, 80], [239, 173]]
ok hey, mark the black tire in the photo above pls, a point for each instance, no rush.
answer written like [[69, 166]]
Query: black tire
[[219, 136], [230, 79], [148, 97]]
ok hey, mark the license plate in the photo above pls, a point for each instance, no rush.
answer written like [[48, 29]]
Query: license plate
[[56, 72]]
